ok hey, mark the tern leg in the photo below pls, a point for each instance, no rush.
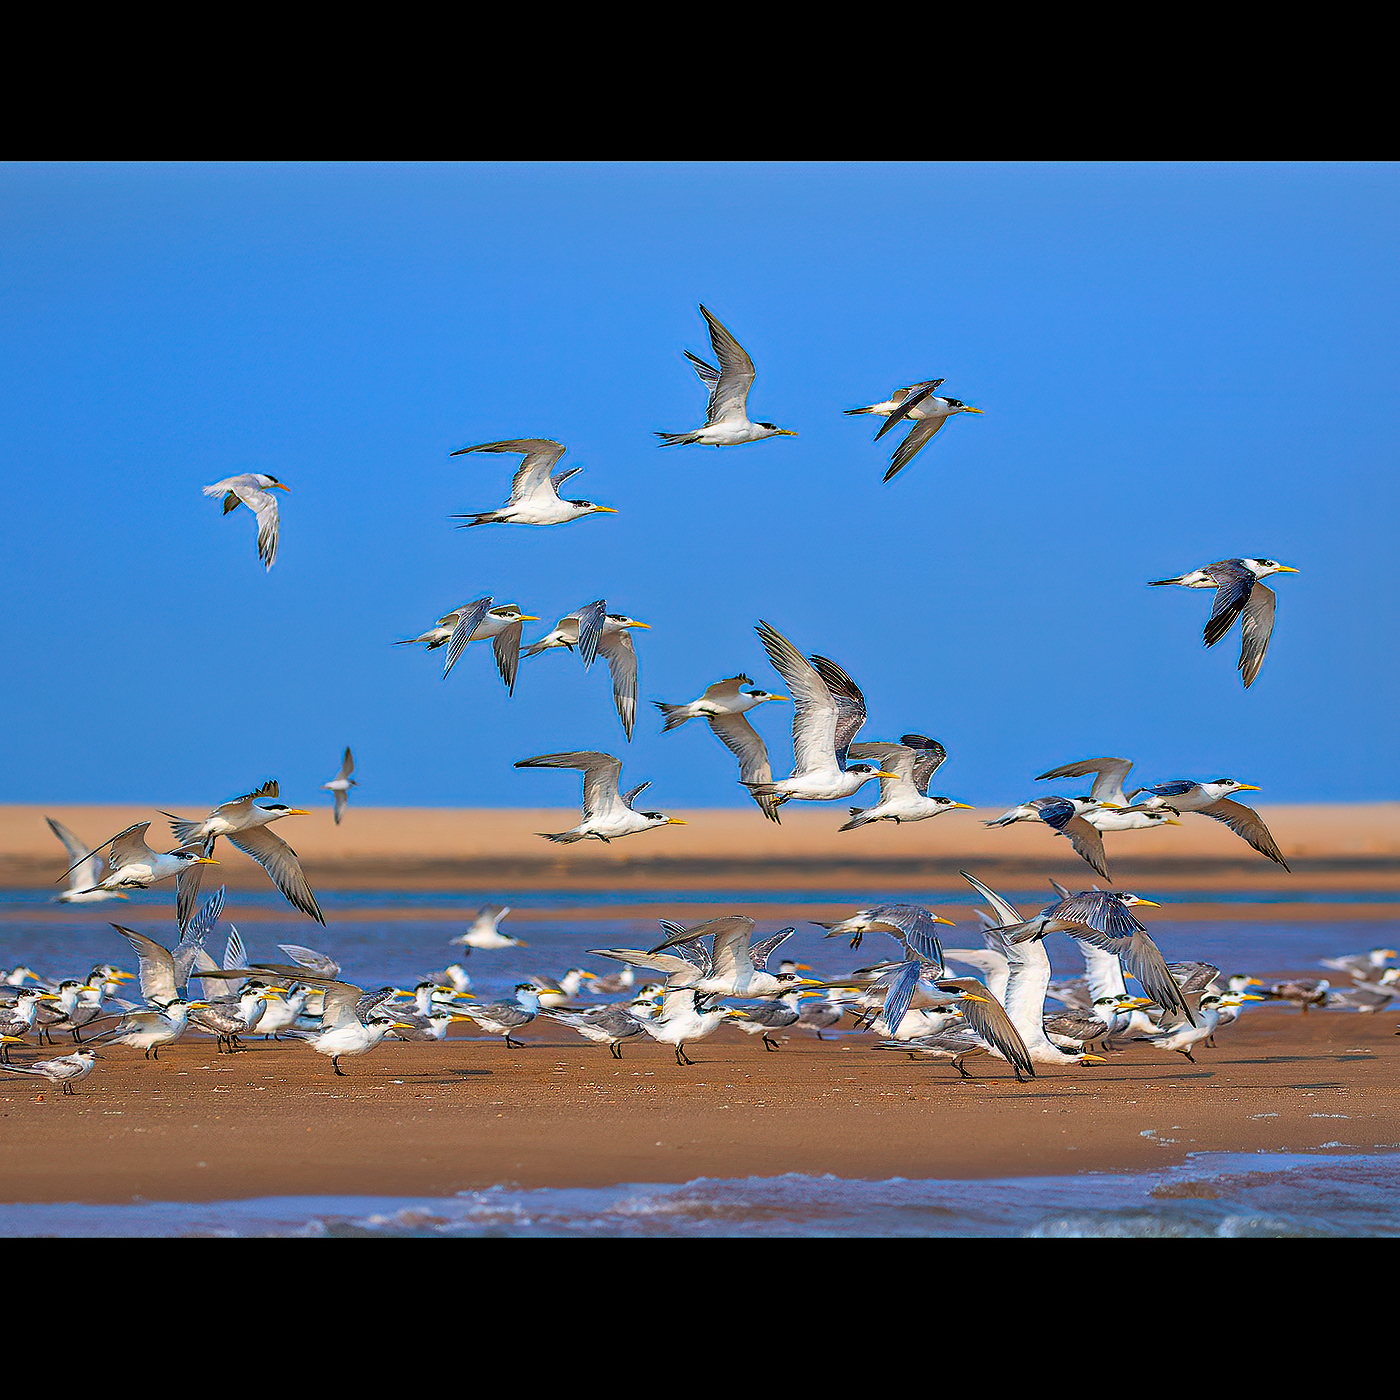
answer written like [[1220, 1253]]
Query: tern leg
[[958, 1065], [335, 1065], [155, 1052], [1188, 1055], [769, 1043], [820, 1036], [513, 1044], [1210, 1041], [681, 1057]]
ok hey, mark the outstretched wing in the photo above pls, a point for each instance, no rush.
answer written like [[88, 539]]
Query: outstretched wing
[[155, 965], [919, 435], [746, 744], [1246, 822], [850, 704], [760, 952], [616, 646], [928, 758], [1233, 585], [1256, 627], [532, 475], [814, 712], [193, 933], [468, 620], [988, 1018], [84, 867], [506, 648], [1109, 776], [1087, 840], [281, 863], [600, 775], [729, 395]]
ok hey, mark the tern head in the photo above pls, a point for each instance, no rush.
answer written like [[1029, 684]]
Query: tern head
[[1131, 899], [622, 620], [949, 804], [776, 430], [1262, 568], [280, 809], [958, 406], [661, 819], [869, 771], [760, 696], [269, 483], [594, 509], [510, 613]]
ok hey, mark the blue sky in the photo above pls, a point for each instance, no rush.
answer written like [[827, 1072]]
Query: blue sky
[[1177, 363]]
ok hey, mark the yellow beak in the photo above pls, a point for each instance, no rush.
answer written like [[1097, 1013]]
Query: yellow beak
[[602, 510], [299, 812], [939, 919], [525, 617], [880, 773], [968, 408], [1092, 1060], [646, 626], [280, 486], [206, 860], [1284, 569], [786, 432], [676, 821], [967, 806], [1152, 902], [1248, 787]]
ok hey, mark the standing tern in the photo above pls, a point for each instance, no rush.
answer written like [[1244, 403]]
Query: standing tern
[[346, 1027], [84, 873], [727, 418], [607, 813], [683, 1017], [604, 1025], [341, 784], [723, 706], [1210, 800], [67, 1070], [243, 823], [904, 798], [928, 412], [772, 1014], [1184, 1034], [1238, 594], [254, 490], [503, 1017], [18, 1020], [828, 712], [534, 493]]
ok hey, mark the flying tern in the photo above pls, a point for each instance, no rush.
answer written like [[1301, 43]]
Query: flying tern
[[607, 813], [1238, 594], [904, 798], [1067, 817], [479, 622], [243, 823], [928, 412], [892, 404], [534, 493], [828, 712], [595, 632], [727, 418], [84, 873], [341, 784], [723, 707], [254, 490], [133, 865], [485, 931], [1211, 800]]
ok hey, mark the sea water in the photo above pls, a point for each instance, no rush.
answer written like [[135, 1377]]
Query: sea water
[[1211, 1195]]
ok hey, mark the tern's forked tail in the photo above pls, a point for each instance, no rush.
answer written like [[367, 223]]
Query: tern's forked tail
[[675, 714], [565, 838], [185, 832], [677, 439]]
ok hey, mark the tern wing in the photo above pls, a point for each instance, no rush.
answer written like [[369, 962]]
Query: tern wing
[[369, 1001], [814, 714], [987, 1017], [84, 867], [669, 963], [129, 846], [919, 435], [310, 959], [896, 758], [590, 629], [616, 646], [759, 953], [559, 478], [281, 863], [850, 704], [468, 620], [928, 758], [914, 924], [338, 1006], [899, 983], [726, 689], [1256, 627], [155, 965], [263, 504], [600, 775], [194, 931], [1005, 912], [1109, 776], [746, 744], [1246, 822], [532, 475], [1141, 958], [347, 765], [910, 398], [730, 394], [1233, 585], [1086, 840], [506, 648]]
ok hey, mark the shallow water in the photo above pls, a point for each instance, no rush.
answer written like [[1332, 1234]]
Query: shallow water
[[1212, 1195], [402, 949]]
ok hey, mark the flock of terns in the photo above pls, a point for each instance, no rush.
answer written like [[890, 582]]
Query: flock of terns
[[912, 1002]]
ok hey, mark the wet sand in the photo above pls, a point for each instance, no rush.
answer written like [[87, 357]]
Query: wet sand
[[437, 1119]]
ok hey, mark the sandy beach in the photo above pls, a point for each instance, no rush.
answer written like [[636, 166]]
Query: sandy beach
[[433, 1120], [1338, 847]]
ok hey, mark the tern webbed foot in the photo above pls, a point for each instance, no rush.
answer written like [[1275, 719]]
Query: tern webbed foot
[[958, 1065], [769, 1043], [1188, 1055]]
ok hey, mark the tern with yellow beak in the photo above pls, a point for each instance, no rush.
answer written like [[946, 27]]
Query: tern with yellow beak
[[534, 493], [243, 822], [1211, 800], [928, 412], [135, 866], [727, 416], [828, 712], [607, 812], [1238, 594], [254, 490], [904, 797]]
